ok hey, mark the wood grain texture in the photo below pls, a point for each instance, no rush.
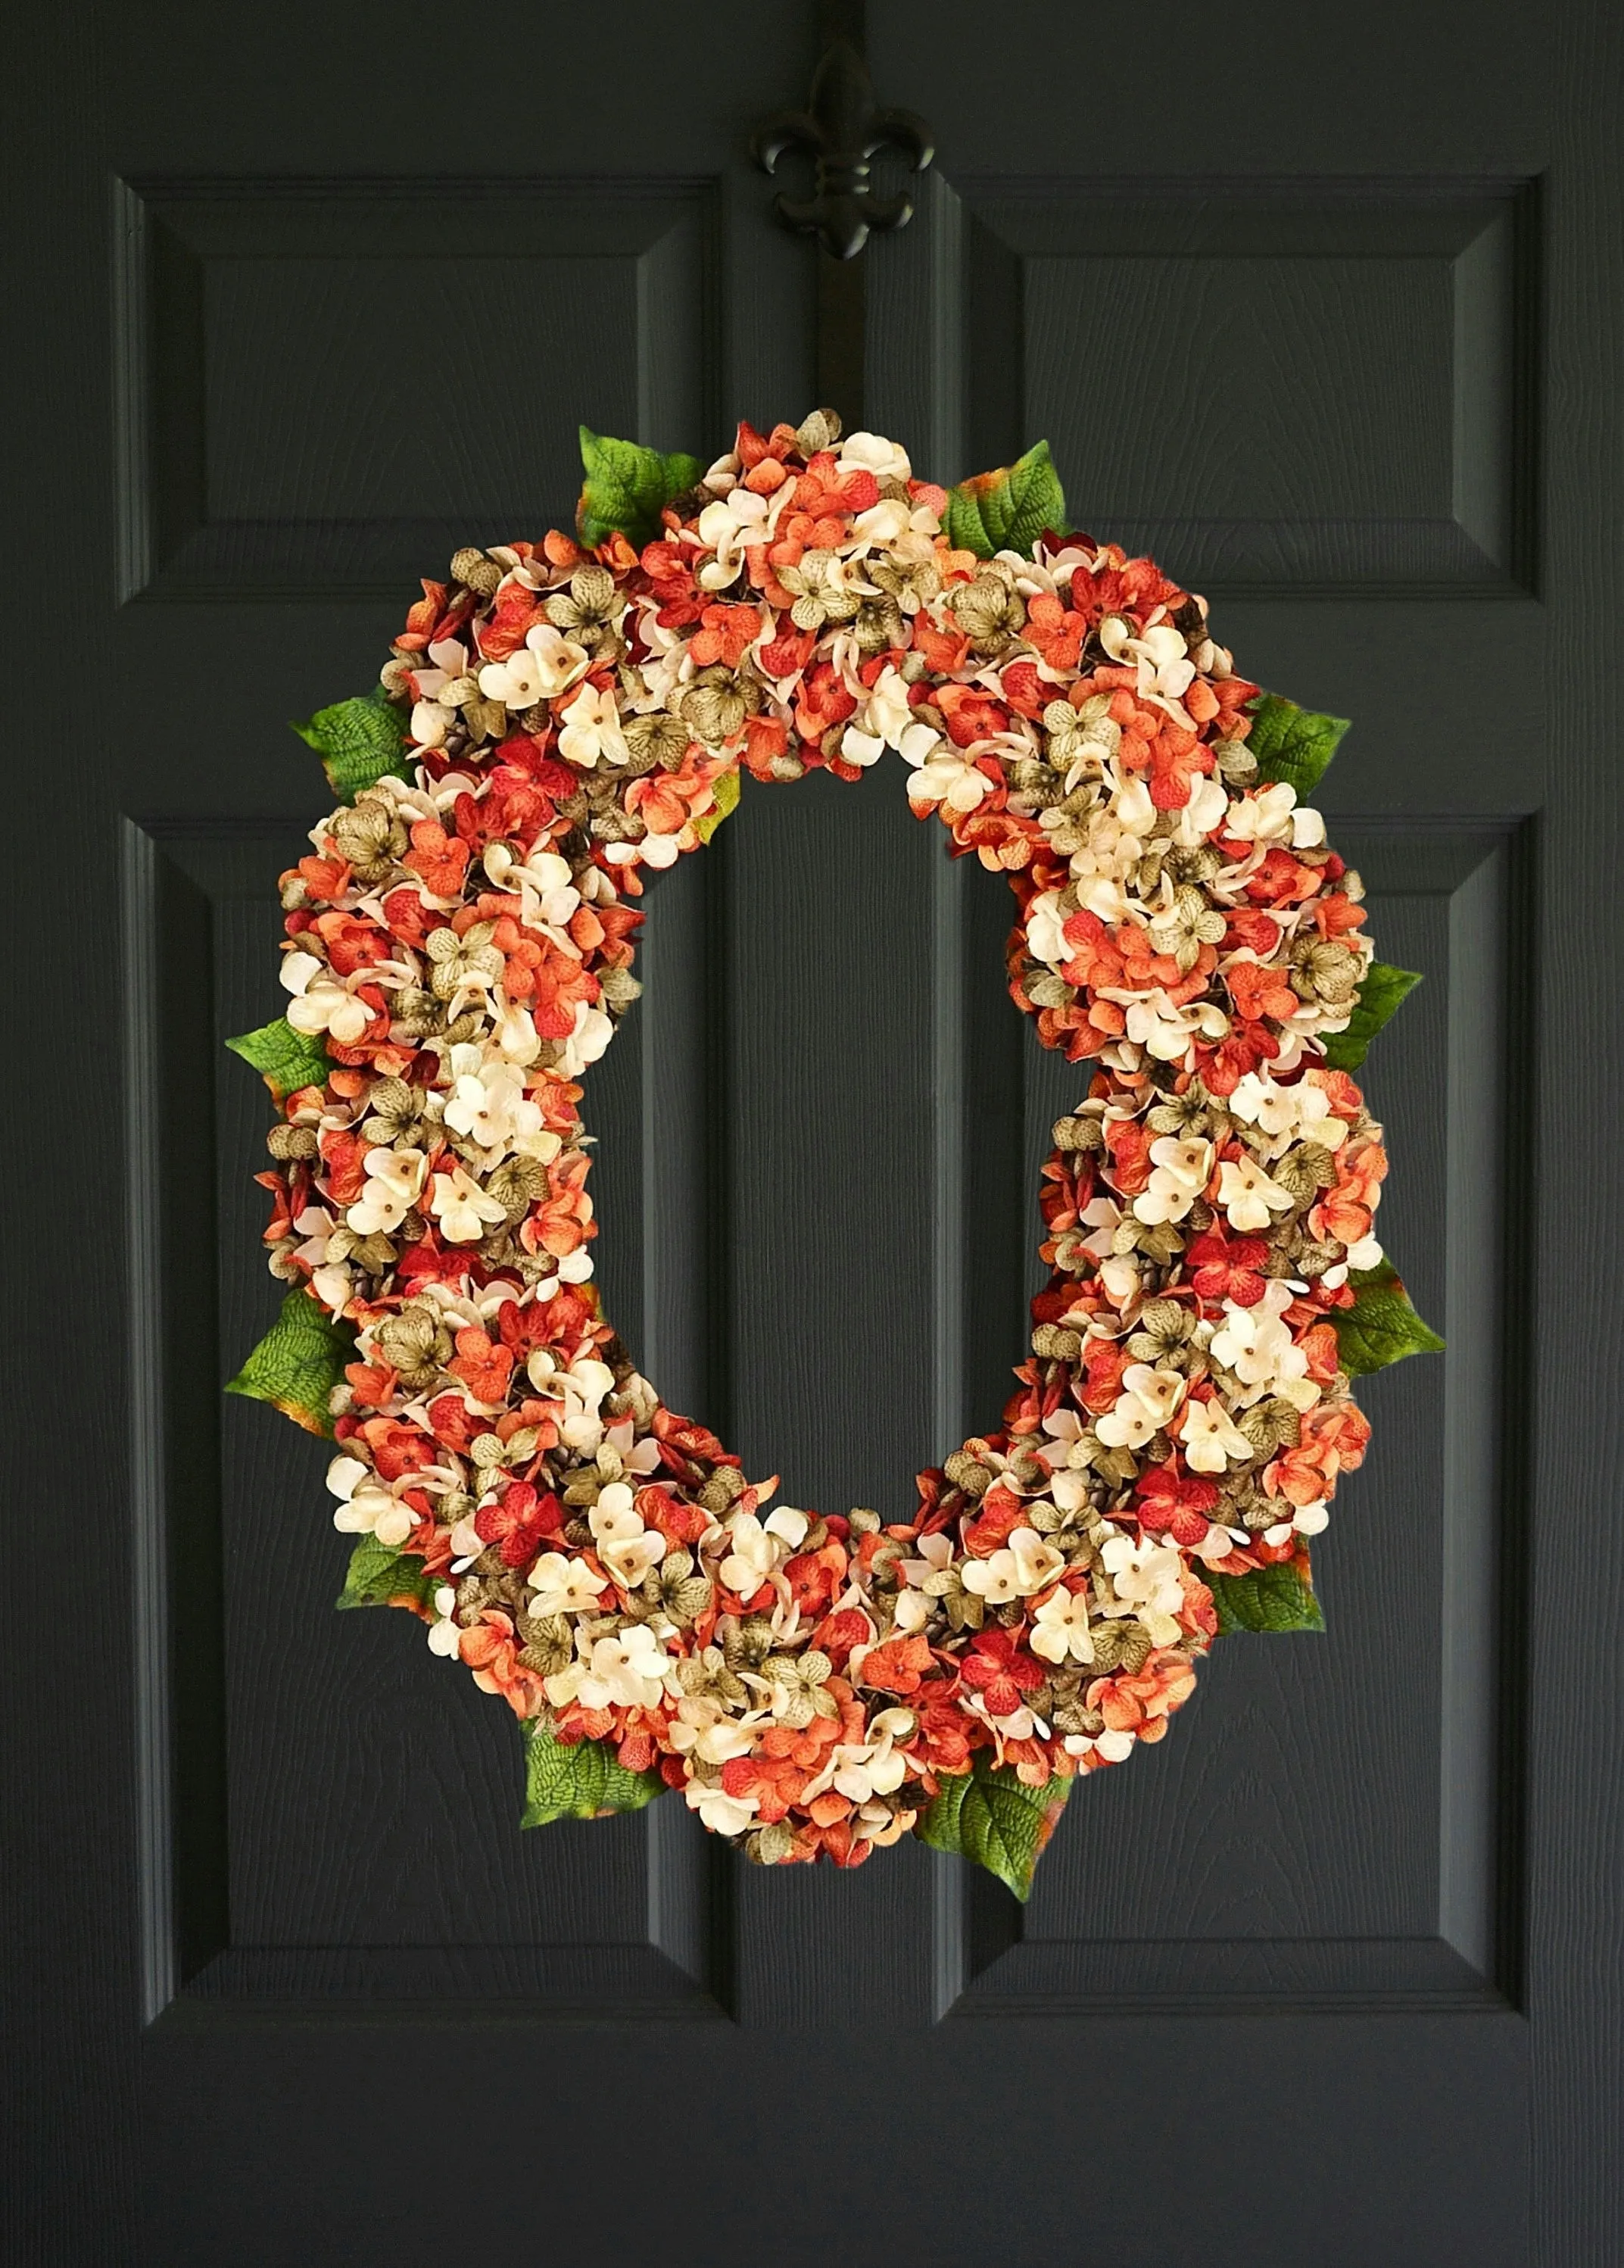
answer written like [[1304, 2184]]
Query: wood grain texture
[[1327, 389], [830, 1139], [231, 2112], [1307, 1797], [1575, 1958], [322, 384], [363, 1847], [834, 1360]]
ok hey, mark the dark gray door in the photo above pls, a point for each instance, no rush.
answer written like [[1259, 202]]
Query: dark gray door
[[1319, 309]]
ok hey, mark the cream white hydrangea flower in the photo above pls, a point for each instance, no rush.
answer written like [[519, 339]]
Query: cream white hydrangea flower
[[1272, 816], [1256, 1345], [626, 1547], [543, 882], [1027, 1562], [489, 1104], [1060, 1628], [589, 1036], [1180, 1171], [461, 1207], [590, 731], [1210, 1438], [444, 1637], [626, 1670], [1249, 1198], [947, 777], [1299, 1113], [1305, 1520], [872, 453], [394, 1180], [1159, 655], [546, 665], [726, 527], [1046, 930], [366, 1505], [564, 1585], [1145, 1581], [1146, 1404], [321, 1003], [721, 1813]]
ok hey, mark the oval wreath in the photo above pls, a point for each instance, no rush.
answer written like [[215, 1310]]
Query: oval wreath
[[556, 718]]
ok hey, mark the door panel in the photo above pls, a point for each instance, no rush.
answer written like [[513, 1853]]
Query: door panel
[[1327, 1830], [1330, 1977], [284, 1864], [1322, 393], [330, 386]]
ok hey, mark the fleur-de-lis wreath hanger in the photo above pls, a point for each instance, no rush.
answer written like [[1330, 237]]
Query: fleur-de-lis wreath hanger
[[841, 130]]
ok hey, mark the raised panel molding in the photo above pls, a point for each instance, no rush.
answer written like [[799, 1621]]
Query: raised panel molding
[[1294, 388], [1335, 1823], [324, 388], [324, 1830]]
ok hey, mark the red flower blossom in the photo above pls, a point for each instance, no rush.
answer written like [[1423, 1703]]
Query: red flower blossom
[[1259, 991], [396, 1449], [972, 714], [1057, 631], [821, 702], [442, 859], [1223, 1267], [725, 635], [503, 633], [1142, 1704], [518, 1521], [490, 1649], [1172, 1503], [1002, 1512], [999, 1668], [484, 1369], [897, 1666]]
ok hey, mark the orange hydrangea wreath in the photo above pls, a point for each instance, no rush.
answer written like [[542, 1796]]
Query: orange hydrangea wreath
[[559, 717]]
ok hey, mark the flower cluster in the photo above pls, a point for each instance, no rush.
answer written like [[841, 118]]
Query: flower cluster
[[460, 944]]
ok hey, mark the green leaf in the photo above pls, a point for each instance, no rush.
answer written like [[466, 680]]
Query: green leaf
[[627, 488], [1381, 1326], [358, 741], [1277, 1598], [724, 793], [1292, 744], [583, 1782], [988, 1816], [1007, 510], [378, 1574], [1383, 990], [298, 1362], [287, 1059]]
